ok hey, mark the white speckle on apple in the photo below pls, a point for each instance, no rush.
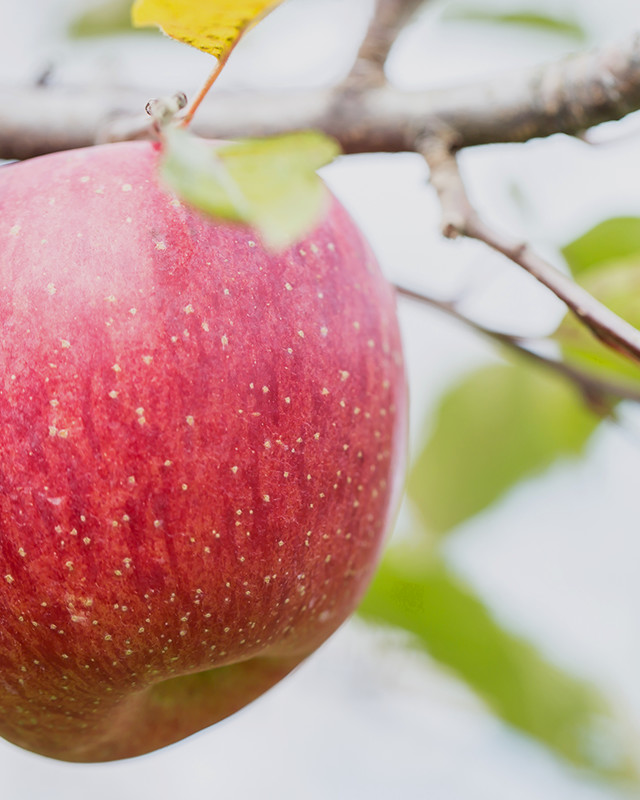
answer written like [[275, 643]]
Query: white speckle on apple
[[161, 246], [189, 309], [116, 368], [190, 421], [51, 288], [9, 578], [301, 334], [205, 327], [126, 187], [224, 340], [288, 287], [15, 230], [344, 375]]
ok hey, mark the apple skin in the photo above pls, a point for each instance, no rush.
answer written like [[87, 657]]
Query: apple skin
[[202, 446]]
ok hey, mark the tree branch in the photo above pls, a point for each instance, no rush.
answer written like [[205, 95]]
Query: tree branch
[[389, 18], [567, 97], [460, 218], [598, 393]]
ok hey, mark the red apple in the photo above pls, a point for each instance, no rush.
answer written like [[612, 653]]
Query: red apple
[[201, 449]]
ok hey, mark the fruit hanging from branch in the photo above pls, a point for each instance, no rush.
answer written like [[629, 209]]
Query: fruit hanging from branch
[[202, 448]]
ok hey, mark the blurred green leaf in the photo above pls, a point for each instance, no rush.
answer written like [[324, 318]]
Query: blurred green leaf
[[502, 423], [610, 241], [104, 19], [606, 261], [566, 714], [527, 19], [270, 184]]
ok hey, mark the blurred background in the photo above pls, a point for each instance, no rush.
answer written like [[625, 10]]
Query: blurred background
[[502, 662]]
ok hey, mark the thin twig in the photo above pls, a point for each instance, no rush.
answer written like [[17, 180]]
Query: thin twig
[[460, 218], [195, 104], [597, 392]]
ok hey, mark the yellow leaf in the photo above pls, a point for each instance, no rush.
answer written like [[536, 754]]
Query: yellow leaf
[[210, 25]]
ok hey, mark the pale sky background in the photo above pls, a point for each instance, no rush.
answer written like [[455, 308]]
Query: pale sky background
[[557, 561]]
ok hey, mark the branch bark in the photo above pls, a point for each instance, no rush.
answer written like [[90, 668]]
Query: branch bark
[[568, 97]]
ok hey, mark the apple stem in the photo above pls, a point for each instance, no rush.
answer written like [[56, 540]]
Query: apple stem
[[186, 120]]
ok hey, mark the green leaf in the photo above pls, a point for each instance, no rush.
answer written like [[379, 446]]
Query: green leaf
[[525, 690], [610, 241], [502, 423], [606, 261], [617, 285], [269, 184], [107, 18], [545, 23]]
